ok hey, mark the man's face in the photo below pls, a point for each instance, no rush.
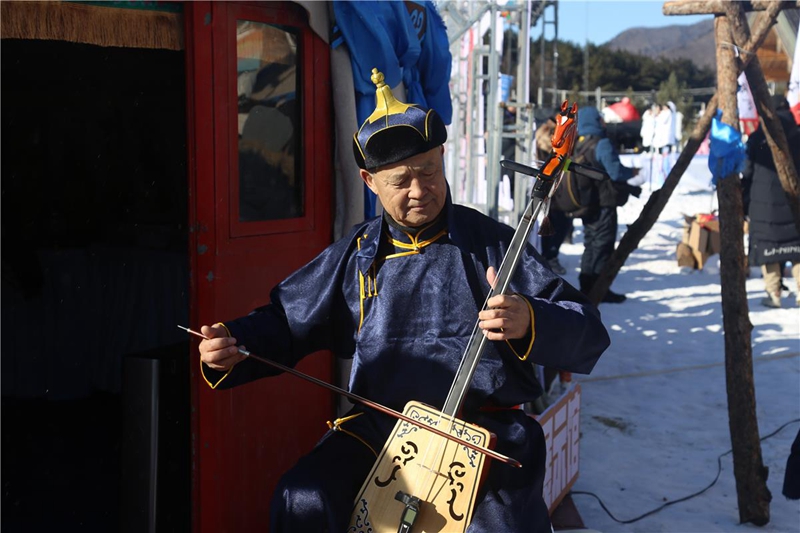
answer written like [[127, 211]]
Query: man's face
[[412, 191]]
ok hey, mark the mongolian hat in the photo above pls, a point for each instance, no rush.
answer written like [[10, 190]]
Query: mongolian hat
[[395, 131]]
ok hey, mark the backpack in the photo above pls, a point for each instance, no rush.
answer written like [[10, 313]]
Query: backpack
[[578, 195]]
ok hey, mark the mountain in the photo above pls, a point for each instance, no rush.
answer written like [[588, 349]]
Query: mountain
[[694, 42]]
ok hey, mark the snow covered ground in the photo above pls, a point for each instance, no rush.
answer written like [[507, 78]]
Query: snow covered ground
[[654, 411]]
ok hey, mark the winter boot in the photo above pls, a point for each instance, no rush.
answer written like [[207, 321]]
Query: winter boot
[[612, 297], [556, 267], [773, 300]]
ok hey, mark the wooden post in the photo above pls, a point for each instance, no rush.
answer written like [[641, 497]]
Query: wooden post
[[748, 468], [655, 205], [717, 7], [776, 137]]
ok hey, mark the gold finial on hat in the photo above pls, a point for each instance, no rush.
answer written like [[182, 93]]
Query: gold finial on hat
[[385, 102]]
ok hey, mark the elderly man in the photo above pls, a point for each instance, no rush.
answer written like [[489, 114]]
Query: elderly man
[[400, 295]]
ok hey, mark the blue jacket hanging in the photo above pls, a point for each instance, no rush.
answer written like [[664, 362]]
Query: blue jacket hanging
[[406, 41]]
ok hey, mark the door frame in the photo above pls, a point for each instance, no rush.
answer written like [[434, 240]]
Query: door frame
[[222, 422]]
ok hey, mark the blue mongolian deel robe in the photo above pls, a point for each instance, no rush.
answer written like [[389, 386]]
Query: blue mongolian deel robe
[[403, 307]]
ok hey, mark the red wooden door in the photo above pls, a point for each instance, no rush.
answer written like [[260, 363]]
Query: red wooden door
[[260, 185]]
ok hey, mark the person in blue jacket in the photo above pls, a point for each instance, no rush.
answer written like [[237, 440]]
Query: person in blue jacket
[[600, 223], [400, 295]]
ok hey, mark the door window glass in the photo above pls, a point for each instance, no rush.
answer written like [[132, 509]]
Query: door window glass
[[270, 177]]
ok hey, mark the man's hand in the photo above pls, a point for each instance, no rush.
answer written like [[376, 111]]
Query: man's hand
[[508, 316], [219, 351]]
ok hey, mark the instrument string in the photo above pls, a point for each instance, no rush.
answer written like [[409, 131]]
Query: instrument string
[[436, 450]]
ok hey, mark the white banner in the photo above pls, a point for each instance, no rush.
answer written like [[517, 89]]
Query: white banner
[[794, 79], [748, 116]]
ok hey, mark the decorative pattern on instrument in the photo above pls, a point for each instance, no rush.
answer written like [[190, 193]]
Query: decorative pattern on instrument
[[464, 433], [406, 428], [456, 471], [362, 523], [409, 451]]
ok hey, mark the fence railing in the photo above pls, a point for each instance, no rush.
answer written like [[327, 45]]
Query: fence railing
[[599, 96]]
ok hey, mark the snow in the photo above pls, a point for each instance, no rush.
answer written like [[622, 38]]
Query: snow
[[654, 415]]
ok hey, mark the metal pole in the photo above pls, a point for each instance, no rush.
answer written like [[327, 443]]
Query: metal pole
[[526, 124], [493, 161], [540, 93], [456, 130], [555, 54], [476, 115], [492, 112]]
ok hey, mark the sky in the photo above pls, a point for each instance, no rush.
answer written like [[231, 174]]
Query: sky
[[654, 416], [599, 21]]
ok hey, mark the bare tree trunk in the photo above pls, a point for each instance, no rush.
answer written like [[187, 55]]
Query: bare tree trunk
[[748, 468], [716, 7], [776, 137], [651, 211]]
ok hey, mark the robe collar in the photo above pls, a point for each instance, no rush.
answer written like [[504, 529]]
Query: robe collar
[[402, 237], [369, 240]]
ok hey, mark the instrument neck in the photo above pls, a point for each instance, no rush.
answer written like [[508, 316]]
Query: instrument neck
[[478, 342]]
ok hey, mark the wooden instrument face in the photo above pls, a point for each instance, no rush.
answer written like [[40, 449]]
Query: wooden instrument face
[[441, 473]]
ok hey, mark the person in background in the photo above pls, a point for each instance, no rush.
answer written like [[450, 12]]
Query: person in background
[[560, 222], [791, 479], [600, 223], [774, 239], [648, 130], [664, 134]]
